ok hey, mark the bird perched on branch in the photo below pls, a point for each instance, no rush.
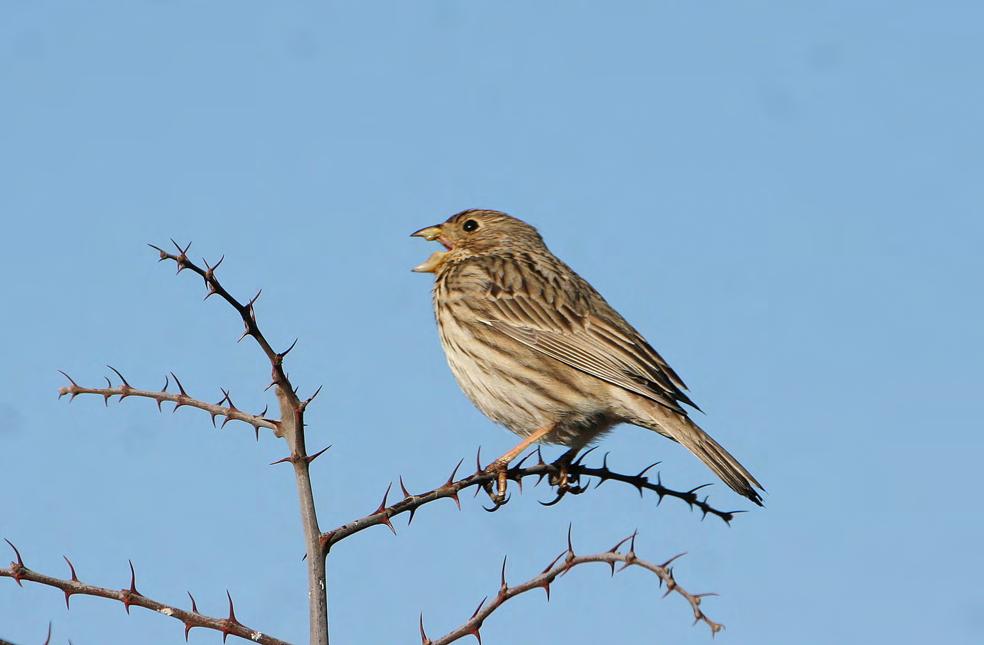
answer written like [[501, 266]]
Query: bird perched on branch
[[537, 349]]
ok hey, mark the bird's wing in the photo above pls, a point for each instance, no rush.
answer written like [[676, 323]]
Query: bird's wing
[[577, 327]]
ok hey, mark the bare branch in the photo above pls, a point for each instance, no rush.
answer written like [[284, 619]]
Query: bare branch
[[563, 563], [131, 597], [180, 399], [486, 480], [245, 311], [290, 426]]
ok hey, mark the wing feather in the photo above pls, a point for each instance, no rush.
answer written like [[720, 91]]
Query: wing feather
[[576, 326]]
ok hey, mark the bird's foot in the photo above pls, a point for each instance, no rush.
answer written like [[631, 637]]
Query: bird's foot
[[563, 479], [497, 493]]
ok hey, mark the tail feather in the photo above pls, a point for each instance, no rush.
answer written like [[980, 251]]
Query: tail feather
[[682, 429]]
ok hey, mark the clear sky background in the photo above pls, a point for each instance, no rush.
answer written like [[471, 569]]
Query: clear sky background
[[785, 197]]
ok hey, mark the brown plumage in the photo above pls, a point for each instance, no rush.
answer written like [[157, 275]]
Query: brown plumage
[[537, 349]]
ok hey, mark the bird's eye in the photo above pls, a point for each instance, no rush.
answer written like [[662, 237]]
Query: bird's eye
[[470, 225]]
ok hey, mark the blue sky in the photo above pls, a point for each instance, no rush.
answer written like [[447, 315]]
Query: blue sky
[[786, 198]]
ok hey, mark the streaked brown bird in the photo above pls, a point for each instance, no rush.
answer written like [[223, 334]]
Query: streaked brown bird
[[537, 349]]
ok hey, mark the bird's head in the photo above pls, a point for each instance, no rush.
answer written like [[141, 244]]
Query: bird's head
[[476, 232]]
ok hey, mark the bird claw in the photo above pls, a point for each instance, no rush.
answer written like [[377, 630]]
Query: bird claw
[[564, 481], [497, 502], [501, 471]]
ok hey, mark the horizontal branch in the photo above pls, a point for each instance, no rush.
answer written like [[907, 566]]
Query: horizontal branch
[[224, 408], [131, 597], [482, 479], [560, 565]]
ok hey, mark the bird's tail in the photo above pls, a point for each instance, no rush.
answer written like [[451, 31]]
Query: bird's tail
[[681, 428]]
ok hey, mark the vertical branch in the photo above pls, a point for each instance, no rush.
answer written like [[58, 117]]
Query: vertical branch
[[292, 419], [291, 427]]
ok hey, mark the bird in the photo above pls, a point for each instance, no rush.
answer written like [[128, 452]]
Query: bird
[[538, 350]]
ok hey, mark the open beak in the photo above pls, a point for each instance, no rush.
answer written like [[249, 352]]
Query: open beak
[[429, 233], [431, 264]]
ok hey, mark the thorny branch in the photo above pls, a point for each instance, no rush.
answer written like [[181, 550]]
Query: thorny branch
[[290, 425], [565, 478], [485, 480], [224, 408], [560, 565], [131, 597]]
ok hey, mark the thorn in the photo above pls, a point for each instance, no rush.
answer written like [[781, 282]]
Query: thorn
[[230, 621], [181, 389], [48, 639], [584, 454], [478, 461], [181, 392], [479, 608], [132, 591], [284, 460], [570, 546], [284, 353], [182, 259], [252, 301], [159, 250], [423, 635], [644, 470], [553, 562], [18, 567], [615, 548], [478, 626], [126, 386], [692, 491], [194, 610], [670, 561], [70, 380], [311, 458], [455, 471], [454, 493], [403, 488], [163, 390], [106, 397], [210, 270], [183, 251], [312, 397], [382, 509], [406, 496], [232, 407], [75, 578], [523, 460], [503, 587], [71, 567]]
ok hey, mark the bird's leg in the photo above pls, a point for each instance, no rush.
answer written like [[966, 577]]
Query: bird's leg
[[501, 465]]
